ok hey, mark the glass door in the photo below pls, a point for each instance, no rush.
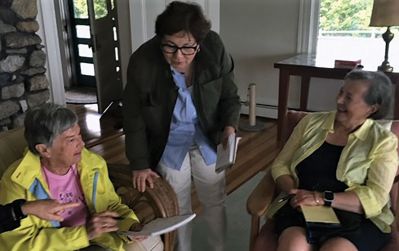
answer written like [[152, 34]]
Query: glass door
[[83, 65], [103, 28], [95, 48]]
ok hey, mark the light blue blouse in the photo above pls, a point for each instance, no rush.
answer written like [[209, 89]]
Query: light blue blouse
[[185, 130]]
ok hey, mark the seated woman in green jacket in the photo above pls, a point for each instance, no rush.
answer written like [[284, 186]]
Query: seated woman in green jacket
[[344, 160], [57, 166]]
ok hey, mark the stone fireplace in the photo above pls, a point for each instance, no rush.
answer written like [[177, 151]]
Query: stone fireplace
[[23, 83]]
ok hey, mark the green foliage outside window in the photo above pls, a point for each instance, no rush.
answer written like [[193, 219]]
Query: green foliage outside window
[[338, 15], [80, 8], [348, 18]]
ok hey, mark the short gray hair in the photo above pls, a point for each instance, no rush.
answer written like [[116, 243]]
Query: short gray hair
[[379, 92], [45, 122]]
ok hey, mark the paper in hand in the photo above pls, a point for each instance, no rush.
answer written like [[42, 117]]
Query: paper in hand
[[226, 157], [161, 225]]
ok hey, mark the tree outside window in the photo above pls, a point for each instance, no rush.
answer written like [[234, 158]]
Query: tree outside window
[[344, 33]]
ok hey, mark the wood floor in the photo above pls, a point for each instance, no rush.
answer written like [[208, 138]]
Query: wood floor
[[104, 136]]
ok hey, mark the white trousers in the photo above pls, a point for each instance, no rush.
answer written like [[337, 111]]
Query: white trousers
[[210, 188], [152, 243]]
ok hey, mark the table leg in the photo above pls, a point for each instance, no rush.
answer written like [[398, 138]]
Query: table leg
[[283, 89], [305, 82]]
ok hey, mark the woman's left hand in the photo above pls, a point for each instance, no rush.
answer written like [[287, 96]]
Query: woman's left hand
[[306, 198], [228, 130]]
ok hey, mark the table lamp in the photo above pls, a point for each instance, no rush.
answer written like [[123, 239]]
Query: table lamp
[[385, 13]]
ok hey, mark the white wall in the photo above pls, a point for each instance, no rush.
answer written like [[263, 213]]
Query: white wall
[[258, 33]]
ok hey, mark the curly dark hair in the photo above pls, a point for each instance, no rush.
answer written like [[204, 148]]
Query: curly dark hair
[[379, 92], [180, 16]]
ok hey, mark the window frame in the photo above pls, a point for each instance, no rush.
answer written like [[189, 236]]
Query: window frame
[[308, 26]]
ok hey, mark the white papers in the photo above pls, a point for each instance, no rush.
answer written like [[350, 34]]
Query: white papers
[[227, 157], [161, 225]]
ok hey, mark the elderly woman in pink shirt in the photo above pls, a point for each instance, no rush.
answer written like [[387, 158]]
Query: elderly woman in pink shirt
[[57, 166]]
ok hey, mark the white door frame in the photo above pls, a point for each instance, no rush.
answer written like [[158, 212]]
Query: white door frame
[[49, 33], [308, 26]]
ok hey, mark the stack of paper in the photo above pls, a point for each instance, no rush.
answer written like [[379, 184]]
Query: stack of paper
[[226, 157], [161, 225]]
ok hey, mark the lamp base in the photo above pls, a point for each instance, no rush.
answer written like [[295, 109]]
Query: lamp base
[[385, 67]]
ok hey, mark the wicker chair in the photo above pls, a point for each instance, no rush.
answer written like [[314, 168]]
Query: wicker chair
[[157, 202]]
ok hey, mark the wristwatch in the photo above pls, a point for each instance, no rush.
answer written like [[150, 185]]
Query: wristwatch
[[328, 198]]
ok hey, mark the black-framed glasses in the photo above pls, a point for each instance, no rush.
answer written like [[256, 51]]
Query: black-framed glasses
[[185, 50]]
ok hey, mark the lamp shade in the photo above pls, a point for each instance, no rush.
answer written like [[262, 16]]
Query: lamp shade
[[385, 13]]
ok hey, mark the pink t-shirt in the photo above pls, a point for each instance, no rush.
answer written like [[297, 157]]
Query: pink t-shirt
[[66, 188]]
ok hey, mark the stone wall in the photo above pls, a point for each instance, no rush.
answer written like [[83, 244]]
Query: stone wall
[[23, 83]]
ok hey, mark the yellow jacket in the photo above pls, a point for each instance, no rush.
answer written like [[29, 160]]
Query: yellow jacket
[[24, 180], [367, 165]]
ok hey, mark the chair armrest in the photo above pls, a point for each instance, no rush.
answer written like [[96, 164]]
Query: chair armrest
[[161, 198], [158, 202], [261, 197]]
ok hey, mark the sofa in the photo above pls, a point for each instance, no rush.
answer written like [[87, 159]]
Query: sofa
[[263, 238], [157, 202]]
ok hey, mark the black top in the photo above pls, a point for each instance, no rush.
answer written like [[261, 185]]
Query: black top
[[318, 171]]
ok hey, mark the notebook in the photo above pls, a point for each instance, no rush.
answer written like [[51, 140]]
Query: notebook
[[319, 214]]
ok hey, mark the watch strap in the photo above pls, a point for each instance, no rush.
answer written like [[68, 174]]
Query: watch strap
[[328, 198]]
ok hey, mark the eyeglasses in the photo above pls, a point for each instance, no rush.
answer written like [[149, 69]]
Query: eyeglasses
[[185, 50]]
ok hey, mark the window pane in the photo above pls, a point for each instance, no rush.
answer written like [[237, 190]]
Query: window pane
[[80, 9], [344, 15], [115, 34], [116, 54], [82, 31], [100, 8], [344, 33], [87, 69], [85, 51]]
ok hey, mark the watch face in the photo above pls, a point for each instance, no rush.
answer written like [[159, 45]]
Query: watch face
[[328, 195]]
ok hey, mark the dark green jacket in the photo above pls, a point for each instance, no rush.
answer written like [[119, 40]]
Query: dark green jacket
[[150, 95]]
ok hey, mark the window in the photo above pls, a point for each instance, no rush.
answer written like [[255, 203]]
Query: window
[[344, 33]]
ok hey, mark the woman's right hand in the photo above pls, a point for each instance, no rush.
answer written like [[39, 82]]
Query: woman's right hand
[[46, 209], [100, 223], [306, 198], [142, 177]]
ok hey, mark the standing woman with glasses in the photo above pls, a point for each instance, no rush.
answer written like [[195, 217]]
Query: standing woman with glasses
[[179, 103]]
